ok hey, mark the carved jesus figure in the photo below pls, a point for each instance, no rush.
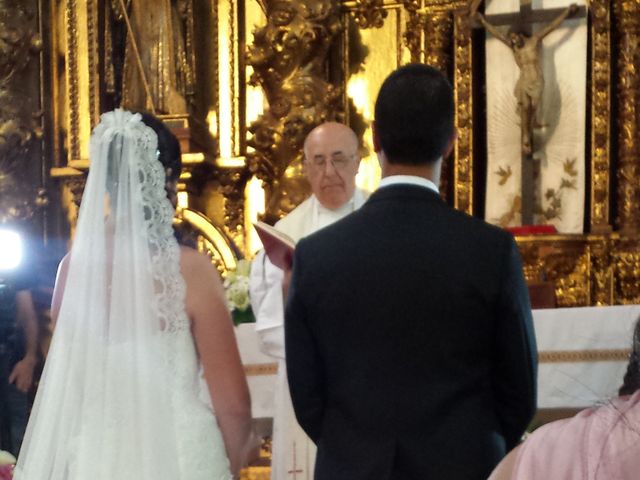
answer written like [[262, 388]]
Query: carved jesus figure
[[530, 84]]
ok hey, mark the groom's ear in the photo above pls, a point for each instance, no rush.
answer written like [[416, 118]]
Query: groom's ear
[[450, 144]]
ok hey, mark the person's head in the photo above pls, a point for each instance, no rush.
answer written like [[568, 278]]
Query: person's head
[[631, 382], [516, 39], [331, 162], [414, 115], [168, 154]]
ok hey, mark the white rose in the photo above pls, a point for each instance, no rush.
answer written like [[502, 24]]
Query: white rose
[[238, 295], [6, 458], [243, 268]]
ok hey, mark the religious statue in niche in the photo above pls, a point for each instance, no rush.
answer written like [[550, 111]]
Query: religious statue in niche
[[530, 84], [149, 43]]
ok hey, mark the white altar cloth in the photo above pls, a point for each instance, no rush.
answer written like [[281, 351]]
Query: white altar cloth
[[261, 371], [582, 352]]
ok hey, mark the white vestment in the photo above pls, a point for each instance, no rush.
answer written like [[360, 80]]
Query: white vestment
[[293, 454]]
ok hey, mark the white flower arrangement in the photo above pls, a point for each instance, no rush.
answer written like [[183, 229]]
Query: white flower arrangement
[[6, 458], [7, 461], [236, 285]]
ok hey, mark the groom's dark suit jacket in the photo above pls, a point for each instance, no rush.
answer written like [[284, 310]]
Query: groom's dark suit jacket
[[409, 342]]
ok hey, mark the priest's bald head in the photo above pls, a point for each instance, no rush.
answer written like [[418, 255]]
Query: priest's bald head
[[331, 162]]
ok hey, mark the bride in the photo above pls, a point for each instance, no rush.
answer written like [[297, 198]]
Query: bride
[[137, 315]]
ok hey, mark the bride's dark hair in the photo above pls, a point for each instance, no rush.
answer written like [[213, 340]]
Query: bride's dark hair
[[168, 146], [170, 157], [631, 381]]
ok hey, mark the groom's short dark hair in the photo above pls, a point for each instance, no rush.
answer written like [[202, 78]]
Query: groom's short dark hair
[[414, 115]]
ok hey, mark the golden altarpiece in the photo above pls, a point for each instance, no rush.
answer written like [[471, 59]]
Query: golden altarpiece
[[254, 76], [241, 82]]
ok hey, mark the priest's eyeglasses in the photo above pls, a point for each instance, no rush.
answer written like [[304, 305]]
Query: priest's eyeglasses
[[339, 161]]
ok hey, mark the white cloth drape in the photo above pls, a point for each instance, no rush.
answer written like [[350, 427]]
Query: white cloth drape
[[585, 345]]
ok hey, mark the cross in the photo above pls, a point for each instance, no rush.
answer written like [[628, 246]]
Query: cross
[[522, 22], [294, 470], [525, 17]]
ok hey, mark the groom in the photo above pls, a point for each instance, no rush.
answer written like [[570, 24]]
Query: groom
[[409, 341]]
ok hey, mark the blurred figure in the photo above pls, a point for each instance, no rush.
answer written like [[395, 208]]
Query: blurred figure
[[18, 352]]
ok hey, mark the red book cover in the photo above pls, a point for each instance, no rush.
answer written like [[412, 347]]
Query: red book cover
[[533, 230], [278, 246]]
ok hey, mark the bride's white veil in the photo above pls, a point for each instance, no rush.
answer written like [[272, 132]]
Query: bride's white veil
[[104, 407]]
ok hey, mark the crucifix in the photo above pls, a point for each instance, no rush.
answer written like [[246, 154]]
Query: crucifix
[[525, 46], [294, 469]]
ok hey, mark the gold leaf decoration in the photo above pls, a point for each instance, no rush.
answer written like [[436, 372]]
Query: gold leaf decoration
[[569, 166], [504, 174], [506, 219]]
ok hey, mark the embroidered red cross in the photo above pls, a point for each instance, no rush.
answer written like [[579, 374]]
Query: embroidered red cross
[[295, 470]]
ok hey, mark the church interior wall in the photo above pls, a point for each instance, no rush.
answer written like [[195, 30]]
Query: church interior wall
[[249, 163]]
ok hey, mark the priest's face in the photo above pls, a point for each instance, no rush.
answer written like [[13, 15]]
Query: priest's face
[[331, 163]]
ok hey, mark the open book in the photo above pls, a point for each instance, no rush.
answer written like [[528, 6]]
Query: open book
[[278, 246]]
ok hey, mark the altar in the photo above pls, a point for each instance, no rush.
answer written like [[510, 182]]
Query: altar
[[582, 353]]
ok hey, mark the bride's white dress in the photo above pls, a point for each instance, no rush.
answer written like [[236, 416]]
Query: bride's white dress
[[201, 450], [121, 396], [199, 447]]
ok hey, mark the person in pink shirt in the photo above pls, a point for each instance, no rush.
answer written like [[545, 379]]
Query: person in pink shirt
[[599, 443]]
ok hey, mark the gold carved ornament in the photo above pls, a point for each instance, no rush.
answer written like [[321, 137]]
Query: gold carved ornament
[[288, 56], [600, 115], [19, 128], [563, 261], [429, 36], [627, 16], [412, 36], [626, 265], [369, 13], [463, 87]]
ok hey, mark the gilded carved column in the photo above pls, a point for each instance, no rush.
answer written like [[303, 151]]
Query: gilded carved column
[[369, 13], [20, 127], [600, 116], [601, 270], [626, 264], [436, 23], [413, 34], [288, 57], [463, 85], [627, 19]]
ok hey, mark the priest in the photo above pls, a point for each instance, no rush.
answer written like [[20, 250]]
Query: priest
[[331, 162]]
